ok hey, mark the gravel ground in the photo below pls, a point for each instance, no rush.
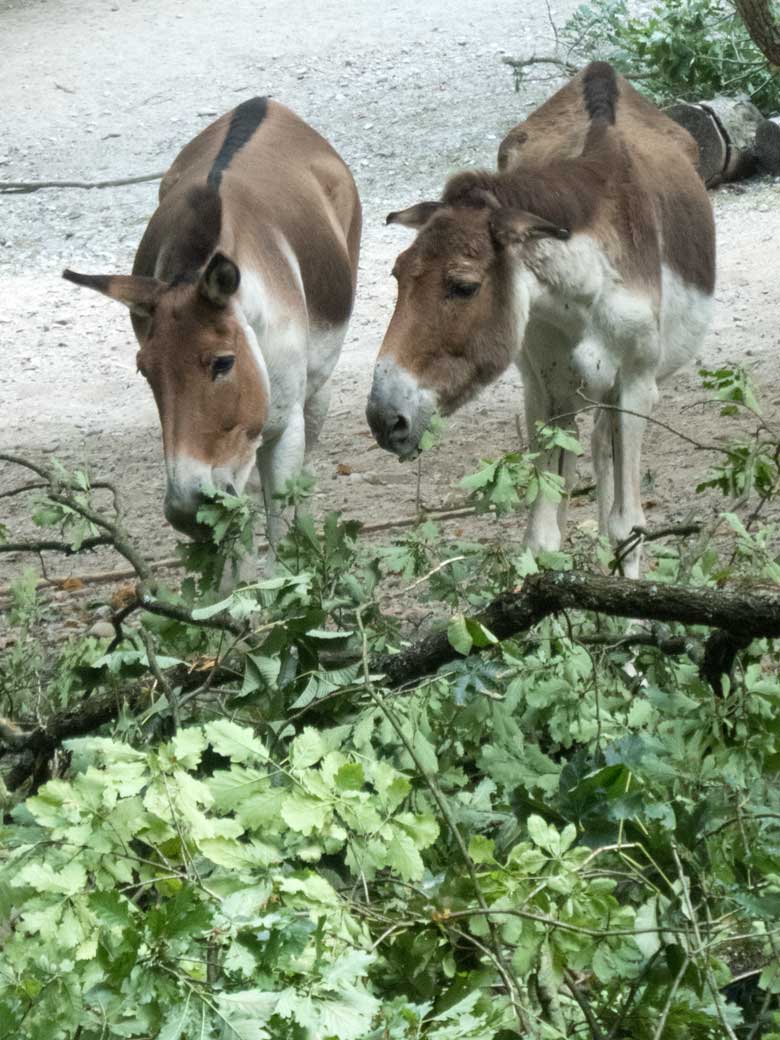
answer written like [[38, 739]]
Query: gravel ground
[[408, 93]]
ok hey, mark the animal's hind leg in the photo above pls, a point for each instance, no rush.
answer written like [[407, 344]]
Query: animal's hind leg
[[637, 397], [603, 465], [314, 413]]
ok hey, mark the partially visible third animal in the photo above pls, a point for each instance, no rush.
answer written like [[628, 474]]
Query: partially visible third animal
[[240, 295], [588, 260]]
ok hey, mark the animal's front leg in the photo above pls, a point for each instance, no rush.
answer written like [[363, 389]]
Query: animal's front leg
[[636, 398], [279, 461], [547, 522]]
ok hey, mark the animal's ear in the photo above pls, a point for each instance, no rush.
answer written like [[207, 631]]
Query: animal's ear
[[134, 291], [513, 226], [510, 148], [471, 188], [220, 280], [414, 216]]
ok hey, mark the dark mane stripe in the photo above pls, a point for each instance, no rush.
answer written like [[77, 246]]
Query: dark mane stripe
[[600, 92], [246, 119]]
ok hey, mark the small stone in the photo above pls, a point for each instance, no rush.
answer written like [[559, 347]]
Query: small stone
[[102, 630]]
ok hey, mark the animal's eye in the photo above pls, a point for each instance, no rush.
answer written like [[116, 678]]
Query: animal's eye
[[462, 290], [221, 365]]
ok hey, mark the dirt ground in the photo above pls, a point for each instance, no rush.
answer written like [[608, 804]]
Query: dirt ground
[[408, 93]]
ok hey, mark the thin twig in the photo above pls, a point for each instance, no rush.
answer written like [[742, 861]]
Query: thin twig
[[691, 913], [34, 485], [26, 187], [165, 686], [659, 1032], [585, 1007], [176, 613], [50, 545], [638, 535], [518, 64]]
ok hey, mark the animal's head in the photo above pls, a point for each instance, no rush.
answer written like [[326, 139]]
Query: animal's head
[[202, 361], [459, 314]]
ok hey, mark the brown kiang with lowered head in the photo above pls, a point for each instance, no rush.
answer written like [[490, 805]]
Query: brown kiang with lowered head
[[588, 260], [241, 292], [210, 393]]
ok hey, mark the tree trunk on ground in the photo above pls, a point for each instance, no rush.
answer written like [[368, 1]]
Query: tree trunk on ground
[[763, 28], [767, 145], [734, 138]]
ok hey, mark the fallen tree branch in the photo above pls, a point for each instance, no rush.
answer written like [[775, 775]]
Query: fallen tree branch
[[742, 614], [34, 743], [26, 187]]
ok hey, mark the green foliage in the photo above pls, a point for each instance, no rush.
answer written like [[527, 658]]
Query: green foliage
[[307, 855], [434, 434], [690, 50], [519, 478], [229, 521]]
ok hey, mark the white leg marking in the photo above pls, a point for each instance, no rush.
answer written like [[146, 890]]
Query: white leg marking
[[601, 451], [636, 394], [550, 384]]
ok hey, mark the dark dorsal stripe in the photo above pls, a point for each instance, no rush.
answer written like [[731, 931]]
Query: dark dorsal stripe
[[245, 120], [199, 225], [600, 92]]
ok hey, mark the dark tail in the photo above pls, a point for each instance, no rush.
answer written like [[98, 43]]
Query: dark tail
[[600, 92]]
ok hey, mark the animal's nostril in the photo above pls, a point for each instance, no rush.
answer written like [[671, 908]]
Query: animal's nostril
[[399, 430]]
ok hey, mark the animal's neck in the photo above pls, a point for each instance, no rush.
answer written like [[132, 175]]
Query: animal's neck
[[559, 284]]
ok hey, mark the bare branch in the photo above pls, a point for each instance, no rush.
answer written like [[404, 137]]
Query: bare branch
[[543, 59], [222, 622], [638, 535], [587, 1010], [26, 187], [34, 485], [170, 694], [49, 545]]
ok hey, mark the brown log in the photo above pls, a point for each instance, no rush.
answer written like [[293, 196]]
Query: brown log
[[743, 614]]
